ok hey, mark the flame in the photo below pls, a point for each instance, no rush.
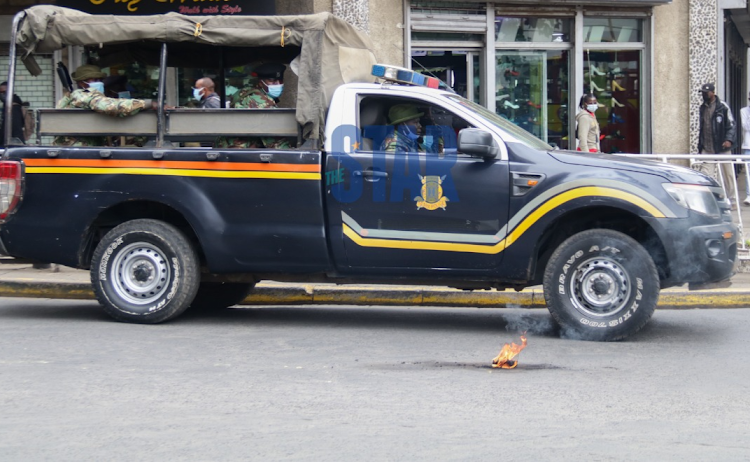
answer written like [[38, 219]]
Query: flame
[[504, 359]]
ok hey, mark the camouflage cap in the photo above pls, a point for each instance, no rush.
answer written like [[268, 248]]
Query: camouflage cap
[[403, 112], [270, 71], [87, 71]]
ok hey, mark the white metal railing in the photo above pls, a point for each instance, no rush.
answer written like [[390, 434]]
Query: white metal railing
[[711, 165]]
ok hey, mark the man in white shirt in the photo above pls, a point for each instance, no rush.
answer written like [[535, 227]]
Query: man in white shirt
[[745, 116]]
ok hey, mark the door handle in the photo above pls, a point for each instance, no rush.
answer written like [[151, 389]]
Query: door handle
[[371, 175]]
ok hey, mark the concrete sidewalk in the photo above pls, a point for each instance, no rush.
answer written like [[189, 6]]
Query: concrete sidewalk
[[22, 280]]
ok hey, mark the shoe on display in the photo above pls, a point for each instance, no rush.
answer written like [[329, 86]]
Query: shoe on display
[[614, 103], [595, 71], [616, 86], [617, 119], [594, 86]]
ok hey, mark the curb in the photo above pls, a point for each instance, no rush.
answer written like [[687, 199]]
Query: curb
[[316, 295]]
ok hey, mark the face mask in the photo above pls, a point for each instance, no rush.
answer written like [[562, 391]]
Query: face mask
[[706, 98], [197, 93], [274, 91], [592, 107], [124, 94], [98, 86], [410, 131]]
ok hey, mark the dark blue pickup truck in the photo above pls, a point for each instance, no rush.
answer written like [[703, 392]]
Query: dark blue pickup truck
[[166, 227]]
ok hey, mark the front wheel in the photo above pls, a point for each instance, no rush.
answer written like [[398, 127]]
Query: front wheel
[[145, 271], [601, 285]]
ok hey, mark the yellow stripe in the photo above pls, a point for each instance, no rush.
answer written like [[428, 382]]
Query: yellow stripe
[[177, 172], [588, 191], [423, 245], [577, 193]]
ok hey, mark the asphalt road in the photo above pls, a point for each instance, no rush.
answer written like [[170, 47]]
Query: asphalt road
[[347, 383]]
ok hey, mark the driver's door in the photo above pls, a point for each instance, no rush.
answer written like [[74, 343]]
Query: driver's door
[[419, 210]]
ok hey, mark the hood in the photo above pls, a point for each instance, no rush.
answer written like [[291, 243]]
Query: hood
[[670, 172]]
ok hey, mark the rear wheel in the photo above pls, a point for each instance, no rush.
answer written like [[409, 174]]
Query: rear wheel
[[217, 295], [145, 271], [601, 285]]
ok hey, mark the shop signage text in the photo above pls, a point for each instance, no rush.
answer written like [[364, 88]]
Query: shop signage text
[[192, 7]]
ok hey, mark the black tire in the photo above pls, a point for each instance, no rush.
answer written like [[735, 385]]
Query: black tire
[[145, 271], [218, 295], [601, 285]]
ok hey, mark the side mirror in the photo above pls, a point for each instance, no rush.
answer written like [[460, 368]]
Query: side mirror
[[477, 142]]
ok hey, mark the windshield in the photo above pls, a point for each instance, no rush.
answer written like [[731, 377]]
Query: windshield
[[501, 123]]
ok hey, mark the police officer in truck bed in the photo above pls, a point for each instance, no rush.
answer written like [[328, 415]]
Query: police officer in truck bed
[[90, 95], [262, 95]]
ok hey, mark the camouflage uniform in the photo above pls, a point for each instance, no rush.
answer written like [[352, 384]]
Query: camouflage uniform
[[398, 142], [253, 98], [97, 102]]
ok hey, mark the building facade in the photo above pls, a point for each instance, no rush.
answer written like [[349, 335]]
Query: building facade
[[531, 61]]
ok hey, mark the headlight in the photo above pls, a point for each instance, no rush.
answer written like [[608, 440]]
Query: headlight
[[694, 197]]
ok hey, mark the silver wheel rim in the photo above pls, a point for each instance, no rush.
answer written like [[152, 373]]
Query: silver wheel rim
[[140, 273], [600, 287]]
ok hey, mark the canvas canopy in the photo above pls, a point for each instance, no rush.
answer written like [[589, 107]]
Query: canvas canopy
[[331, 52]]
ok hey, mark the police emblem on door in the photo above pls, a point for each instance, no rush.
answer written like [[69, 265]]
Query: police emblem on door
[[432, 193]]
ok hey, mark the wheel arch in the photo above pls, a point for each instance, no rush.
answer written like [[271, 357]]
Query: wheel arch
[[132, 210], [607, 217]]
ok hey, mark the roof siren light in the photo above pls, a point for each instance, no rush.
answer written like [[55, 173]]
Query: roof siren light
[[402, 75]]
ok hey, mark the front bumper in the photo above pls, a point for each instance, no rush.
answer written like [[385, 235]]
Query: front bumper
[[700, 254]]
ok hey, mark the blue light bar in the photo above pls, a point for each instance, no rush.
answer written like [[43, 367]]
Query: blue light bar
[[402, 75]]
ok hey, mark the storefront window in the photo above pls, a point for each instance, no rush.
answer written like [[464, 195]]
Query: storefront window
[[137, 80], [605, 30], [508, 29], [614, 77], [532, 92], [452, 67], [446, 36]]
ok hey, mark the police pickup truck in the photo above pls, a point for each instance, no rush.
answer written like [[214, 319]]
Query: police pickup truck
[[165, 227]]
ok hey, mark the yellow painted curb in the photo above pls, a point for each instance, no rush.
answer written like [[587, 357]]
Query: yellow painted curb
[[68, 291], [402, 296], [705, 299]]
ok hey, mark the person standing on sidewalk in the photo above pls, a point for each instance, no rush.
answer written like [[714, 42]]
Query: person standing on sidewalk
[[716, 136], [745, 118], [587, 129]]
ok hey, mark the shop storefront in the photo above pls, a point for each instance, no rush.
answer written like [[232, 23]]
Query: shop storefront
[[530, 61], [532, 65]]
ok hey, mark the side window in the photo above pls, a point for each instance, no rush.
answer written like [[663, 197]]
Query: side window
[[373, 123], [438, 127]]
